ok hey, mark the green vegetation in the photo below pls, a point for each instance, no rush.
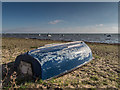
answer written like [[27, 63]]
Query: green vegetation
[[94, 78]]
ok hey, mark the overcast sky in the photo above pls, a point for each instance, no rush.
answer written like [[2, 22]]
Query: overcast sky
[[60, 17]]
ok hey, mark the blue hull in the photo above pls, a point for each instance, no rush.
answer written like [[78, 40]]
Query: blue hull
[[56, 59]]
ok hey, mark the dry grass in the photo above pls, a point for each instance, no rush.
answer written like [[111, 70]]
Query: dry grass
[[102, 72]]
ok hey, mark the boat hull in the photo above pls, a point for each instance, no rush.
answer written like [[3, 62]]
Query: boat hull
[[56, 59]]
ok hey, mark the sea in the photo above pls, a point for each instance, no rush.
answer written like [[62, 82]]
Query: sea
[[97, 38]]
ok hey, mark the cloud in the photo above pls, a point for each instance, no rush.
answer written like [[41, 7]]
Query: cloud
[[55, 21], [99, 25]]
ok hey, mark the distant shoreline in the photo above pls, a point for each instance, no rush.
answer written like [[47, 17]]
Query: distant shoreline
[[92, 38], [67, 41]]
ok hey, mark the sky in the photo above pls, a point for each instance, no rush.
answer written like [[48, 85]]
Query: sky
[[0, 17], [60, 0], [59, 17]]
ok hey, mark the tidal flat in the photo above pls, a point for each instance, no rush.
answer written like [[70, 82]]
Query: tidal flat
[[102, 72]]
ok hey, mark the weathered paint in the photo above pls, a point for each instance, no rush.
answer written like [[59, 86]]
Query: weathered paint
[[55, 59], [25, 68]]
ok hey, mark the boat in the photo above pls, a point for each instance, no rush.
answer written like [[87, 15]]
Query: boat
[[39, 35], [49, 35], [53, 60], [109, 35]]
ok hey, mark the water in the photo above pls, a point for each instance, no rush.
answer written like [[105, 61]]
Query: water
[[100, 38]]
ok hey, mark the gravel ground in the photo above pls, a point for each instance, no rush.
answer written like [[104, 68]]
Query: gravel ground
[[102, 72]]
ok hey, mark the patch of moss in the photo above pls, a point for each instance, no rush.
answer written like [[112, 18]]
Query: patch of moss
[[105, 82], [33, 47], [66, 84], [28, 83], [44, 83], [40, 81], [94, 78], [52, 81], [3, 47], [85, 82], [112, 78], [97, 57], [22, 87]]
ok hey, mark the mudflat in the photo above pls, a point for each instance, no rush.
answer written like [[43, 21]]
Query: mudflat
[[102, 72]]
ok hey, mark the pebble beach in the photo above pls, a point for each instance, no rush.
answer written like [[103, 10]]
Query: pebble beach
[[102, 72]]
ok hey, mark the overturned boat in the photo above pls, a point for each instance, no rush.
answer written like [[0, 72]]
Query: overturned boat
[[53, 60]]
